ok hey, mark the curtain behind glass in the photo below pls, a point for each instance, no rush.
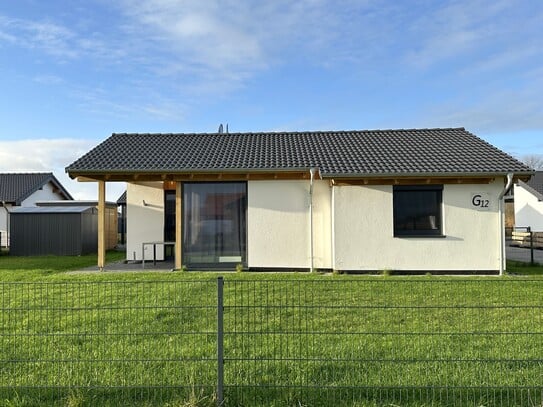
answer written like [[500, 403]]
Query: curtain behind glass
[[214, 223]]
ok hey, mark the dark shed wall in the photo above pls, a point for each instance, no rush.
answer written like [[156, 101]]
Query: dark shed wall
[[89, 231], [35, 234]]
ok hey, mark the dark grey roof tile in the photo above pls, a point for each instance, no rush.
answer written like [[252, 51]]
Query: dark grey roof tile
[[335, 153], [536, 182]]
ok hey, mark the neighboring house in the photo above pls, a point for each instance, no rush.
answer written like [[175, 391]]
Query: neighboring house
[[25, 189], [411, 200], [529, 203]]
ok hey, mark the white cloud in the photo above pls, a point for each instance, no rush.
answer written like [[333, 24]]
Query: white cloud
[[40, 154], [221, 44], [59, 41], [474, 32], [52, 38], [53, 155]]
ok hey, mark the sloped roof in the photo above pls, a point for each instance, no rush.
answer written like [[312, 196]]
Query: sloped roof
[[52, 209], [536, 182], [416, 152], [15, 188], [122, 199], [534, 185]]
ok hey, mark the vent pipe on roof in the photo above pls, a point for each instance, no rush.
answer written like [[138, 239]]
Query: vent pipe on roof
[[221, 129]]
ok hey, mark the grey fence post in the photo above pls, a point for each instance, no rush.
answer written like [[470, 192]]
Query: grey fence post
[[220, 343]]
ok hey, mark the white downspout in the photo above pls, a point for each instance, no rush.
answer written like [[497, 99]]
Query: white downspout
[[333, 227], [502, 226], [312, 172]]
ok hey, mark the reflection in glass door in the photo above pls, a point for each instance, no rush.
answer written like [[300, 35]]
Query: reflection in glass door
[[214, 223]]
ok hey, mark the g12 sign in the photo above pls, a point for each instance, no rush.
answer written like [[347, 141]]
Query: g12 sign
[[480, 201]]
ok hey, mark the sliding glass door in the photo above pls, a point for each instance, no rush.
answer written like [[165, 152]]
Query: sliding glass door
[[214, 224]]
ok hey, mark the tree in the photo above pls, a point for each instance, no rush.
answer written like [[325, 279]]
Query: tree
[[534, 161]]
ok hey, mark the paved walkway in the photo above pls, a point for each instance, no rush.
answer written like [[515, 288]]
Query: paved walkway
[[523, 254], [121, 266], [512, 253]]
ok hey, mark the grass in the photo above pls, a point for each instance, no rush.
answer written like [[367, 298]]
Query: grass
[[15, 268], [524, 269], [291, 339]]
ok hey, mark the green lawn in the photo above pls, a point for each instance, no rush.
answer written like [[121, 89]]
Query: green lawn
[[524, 269], [294, 339], [40, 267]]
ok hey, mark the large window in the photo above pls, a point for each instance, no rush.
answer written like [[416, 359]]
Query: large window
[[417, 210], [214, 223]]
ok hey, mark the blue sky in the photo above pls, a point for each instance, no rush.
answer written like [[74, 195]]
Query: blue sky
[[72, 72]]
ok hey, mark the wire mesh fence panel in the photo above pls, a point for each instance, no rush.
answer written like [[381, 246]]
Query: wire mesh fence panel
[[118, 343], [310, 342], [376, 342]]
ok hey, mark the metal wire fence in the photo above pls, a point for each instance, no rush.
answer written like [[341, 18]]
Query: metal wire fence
[[276, 342]]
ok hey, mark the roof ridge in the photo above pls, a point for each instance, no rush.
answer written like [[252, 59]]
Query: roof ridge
[[297, 132], [26, 173], [348, 153]]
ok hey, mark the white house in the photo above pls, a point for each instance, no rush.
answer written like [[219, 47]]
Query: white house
[[25, 189], [529, 203], [410, 200]]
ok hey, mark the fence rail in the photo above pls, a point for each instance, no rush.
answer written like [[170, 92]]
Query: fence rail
[[364, 342], [525, 237]]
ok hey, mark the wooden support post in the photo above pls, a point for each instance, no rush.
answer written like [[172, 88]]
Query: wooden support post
[[101, 224], [178, 225]]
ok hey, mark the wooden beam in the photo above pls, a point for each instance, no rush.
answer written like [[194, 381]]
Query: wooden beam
[[86, 179], [178, 225], [281, 175], [412, 181], [195, 176], [101, 224]]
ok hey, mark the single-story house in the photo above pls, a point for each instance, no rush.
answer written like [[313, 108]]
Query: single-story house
[[529, 203], [23, 190], [409, 200]]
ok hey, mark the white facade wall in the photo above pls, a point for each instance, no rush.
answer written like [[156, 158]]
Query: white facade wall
[[4, 225], [278, 224], [352, 231], [528, 209], [322, 225], [364, 234], [144, 222], [47, 193]]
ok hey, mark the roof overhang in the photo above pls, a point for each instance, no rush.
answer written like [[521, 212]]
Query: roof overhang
[[288, 174], [193, 175]]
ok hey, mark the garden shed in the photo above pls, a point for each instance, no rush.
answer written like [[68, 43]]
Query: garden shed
[[54, 230]]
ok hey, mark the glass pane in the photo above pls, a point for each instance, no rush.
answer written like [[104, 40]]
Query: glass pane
[[214, 224], [417, 212], [169, 216]]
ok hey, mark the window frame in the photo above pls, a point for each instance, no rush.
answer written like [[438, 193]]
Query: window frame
[[437, 210], [186, 250]]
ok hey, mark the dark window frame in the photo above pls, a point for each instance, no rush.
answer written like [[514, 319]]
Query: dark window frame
[[408, 213], [213, 265]]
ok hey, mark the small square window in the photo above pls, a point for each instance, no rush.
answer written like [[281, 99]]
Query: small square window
[[417, 210]]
